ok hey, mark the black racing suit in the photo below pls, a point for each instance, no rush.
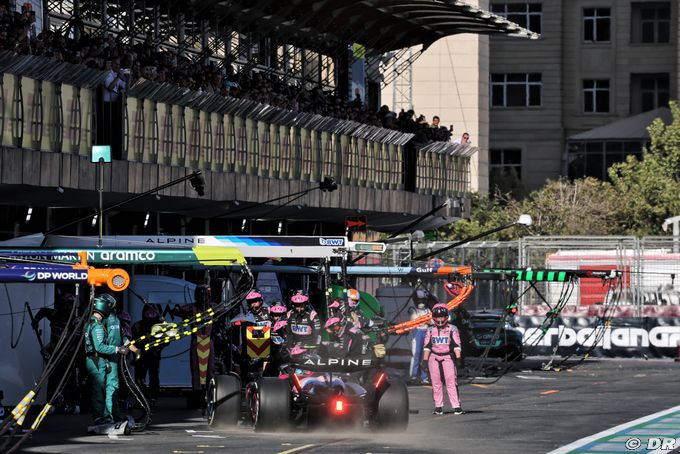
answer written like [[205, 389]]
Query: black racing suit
[[303, 329], [279, 351]]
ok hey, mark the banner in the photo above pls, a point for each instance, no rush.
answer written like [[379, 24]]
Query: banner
[[625, 337]]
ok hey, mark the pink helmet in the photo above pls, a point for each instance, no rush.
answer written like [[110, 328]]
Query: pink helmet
[[279, 324], [299, 298], [335, 326], [335, 307], [278, 309], [353, 297], [254, 295], [297, 350], [440, 314]]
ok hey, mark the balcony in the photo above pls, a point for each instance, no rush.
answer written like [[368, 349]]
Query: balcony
[[249, 152]]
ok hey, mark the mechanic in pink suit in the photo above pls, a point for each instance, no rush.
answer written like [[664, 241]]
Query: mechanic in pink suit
[[441, 341]]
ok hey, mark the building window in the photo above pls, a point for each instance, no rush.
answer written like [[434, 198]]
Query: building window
[[527, 15], [516, 90], [595, 96], [505, 169], [596, 24], [593, 159], [651, 22], [649, 92]]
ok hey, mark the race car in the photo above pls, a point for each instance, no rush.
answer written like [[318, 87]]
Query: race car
[[315, 390], [482, 326]]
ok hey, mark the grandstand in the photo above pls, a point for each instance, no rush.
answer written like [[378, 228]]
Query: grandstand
[[265, 97]]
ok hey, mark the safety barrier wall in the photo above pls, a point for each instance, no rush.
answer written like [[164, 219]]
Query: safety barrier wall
[[60, 117]]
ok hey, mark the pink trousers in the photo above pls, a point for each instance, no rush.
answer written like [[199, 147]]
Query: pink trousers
[[442, 368]]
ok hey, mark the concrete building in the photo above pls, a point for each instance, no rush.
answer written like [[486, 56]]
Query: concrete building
[[595, 63]]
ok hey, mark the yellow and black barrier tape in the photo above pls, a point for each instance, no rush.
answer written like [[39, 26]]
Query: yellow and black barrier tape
[[198, 318], [19, 412], [40, 416]]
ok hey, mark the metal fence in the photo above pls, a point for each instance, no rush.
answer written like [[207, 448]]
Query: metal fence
[[650, 268]]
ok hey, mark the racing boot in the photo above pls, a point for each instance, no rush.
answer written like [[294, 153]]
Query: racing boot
[[438, 411], [458, 411]]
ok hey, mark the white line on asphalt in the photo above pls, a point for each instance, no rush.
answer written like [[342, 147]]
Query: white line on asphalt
[[189, 431], [535, 378], [584, 441], [299, 448], [208, 436]]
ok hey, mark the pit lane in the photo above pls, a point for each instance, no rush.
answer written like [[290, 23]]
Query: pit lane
[[526, 411]]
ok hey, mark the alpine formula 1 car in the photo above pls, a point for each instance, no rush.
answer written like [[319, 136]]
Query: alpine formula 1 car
[[315, 390]]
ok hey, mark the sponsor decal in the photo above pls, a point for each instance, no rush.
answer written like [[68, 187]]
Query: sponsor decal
[[278, 340], [124, 256], [440, 340], [606, 337], [174, 240], [29, 275], [62, 275], [338, 362], [302, 330], [331, 241], [424, 270]]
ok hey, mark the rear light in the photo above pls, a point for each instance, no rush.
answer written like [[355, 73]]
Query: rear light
[[339, 406], [296, 382], [380, 380]]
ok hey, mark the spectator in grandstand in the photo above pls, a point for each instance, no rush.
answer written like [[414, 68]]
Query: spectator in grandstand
[[439, 133], [110, 130], [464, 139]]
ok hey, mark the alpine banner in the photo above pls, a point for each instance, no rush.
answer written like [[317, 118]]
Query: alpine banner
[[623, 337], [249, 246]]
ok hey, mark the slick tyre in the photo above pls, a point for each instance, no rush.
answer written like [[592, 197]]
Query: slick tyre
[[224, 401], [270, 403], [393, 408]]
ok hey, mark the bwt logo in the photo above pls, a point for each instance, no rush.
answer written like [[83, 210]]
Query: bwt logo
[[440, 340], [331, 241], [303, 330]]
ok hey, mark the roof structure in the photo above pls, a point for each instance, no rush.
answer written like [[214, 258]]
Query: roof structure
[[631, 128], [379, 25]]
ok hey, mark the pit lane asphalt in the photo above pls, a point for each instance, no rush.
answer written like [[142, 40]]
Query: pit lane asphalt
[[526, 411]]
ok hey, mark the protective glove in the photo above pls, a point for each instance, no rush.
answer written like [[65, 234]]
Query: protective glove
[[123, 350], [379, 350]]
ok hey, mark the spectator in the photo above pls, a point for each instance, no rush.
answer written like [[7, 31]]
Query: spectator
[[110, 125], [464, 139], [439, 133]]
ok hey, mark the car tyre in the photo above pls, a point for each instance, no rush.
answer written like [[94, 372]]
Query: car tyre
[[224, 401], [393, 408], [271, 401]]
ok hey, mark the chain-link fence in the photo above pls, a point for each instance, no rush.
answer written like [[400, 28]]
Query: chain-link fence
[[650, 267]]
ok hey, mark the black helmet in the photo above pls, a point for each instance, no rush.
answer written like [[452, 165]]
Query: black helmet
[[104, 304]]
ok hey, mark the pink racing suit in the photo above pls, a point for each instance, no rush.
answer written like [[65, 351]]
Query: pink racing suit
[[440, 363]]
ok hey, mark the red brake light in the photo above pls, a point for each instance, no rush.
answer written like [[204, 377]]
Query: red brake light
[[379, 381], [339, 406], [296, 382]]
